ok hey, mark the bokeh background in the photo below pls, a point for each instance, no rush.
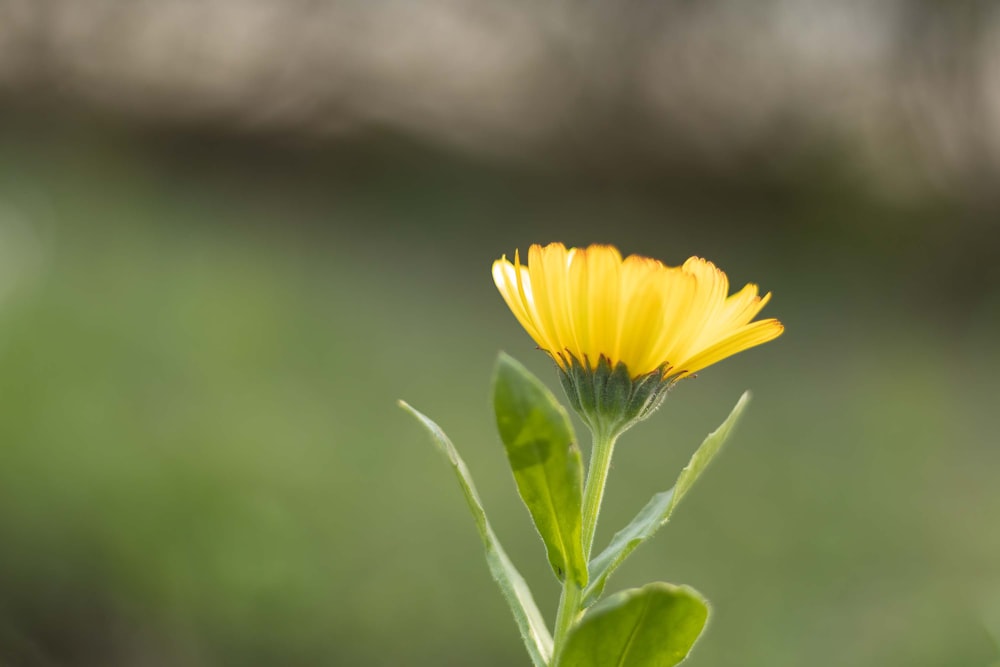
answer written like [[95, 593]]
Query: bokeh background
[[234, 233]]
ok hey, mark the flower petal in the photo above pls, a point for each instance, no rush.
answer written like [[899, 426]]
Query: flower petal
[[749, 336]]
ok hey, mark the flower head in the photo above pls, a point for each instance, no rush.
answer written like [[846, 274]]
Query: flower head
[[591, 310], [588, 303]]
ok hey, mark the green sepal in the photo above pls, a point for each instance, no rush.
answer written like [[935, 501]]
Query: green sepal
[[546, 462], [658, 510], [653, 626], [534, 632], [610, 400], [617, 394]]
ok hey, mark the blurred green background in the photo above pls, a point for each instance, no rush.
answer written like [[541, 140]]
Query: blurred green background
[[205, 325]]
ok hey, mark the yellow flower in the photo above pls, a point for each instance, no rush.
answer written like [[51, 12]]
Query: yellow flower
[[584, 304]]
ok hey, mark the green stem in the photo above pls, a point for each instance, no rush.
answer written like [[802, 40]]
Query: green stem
[[597, 476], [569, 604]]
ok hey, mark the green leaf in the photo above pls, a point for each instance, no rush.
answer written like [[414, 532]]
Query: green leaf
[[545, 458], [515, 590], [652, 626], [658, 510]]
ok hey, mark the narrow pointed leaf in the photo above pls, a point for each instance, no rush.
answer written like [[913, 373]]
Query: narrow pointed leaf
[[515, 590], [652, 626], [658, 510], [546, 462]]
